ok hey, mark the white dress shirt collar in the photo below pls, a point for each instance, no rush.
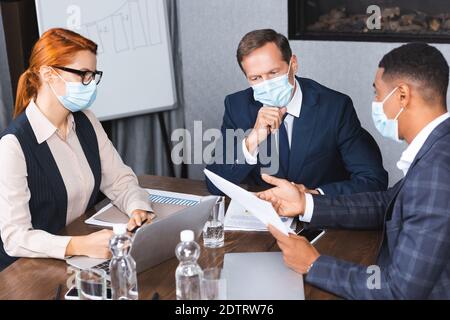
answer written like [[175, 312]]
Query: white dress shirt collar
[[295, 105], [42, 127], [413, 149]]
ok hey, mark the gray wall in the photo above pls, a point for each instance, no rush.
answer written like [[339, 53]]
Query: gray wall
[[6, 98], [210, 32]]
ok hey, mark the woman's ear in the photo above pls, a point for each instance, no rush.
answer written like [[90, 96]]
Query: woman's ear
[[47, 74], [405, 95]]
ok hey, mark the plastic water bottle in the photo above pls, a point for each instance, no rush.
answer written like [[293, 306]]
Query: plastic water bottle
[[188, 275], [122, 266]]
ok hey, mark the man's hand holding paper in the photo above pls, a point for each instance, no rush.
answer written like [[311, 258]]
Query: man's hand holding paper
[[263, 210], [285, 197]]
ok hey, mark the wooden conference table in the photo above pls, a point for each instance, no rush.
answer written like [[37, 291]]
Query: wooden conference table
[[39, 278]]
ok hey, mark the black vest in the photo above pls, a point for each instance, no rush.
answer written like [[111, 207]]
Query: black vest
[[48, 202]]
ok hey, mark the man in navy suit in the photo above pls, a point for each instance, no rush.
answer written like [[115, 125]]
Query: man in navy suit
[[311, 134], [414, 257]]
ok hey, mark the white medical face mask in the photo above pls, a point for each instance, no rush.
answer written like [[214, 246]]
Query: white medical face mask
[[78, 96], [388, 128], [275, 92]]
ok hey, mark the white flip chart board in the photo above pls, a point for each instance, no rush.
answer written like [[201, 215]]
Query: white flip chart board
[[134, 51]]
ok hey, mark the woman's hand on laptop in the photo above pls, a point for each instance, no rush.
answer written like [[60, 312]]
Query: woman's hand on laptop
[[138, 217], [95, 245]]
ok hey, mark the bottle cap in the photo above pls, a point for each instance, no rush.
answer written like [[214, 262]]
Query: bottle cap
[[119, 229], [187, 235]]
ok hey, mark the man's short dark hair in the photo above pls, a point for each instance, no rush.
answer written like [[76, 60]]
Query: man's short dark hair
[[419, 62], [259, 38]]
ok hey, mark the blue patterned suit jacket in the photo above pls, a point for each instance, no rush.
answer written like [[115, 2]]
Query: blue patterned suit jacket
[[414, 258]]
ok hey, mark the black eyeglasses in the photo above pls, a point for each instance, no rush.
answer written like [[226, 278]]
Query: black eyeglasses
[[86, 76]]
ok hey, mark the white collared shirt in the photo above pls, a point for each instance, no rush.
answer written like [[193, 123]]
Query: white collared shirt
[[403, 164], [413, 149]]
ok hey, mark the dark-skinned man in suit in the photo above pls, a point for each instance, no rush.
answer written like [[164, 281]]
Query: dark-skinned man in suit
[[414, 258]]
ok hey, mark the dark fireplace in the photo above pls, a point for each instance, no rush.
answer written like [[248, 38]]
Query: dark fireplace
[[370, 20]]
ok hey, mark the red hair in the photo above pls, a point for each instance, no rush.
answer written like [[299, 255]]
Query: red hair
[[56, 47]]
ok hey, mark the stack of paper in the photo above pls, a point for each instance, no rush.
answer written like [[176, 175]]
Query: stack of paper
[[261, 209], [240, 219]]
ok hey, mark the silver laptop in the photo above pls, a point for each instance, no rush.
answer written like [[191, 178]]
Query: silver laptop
[[156, 242], [261, 276]]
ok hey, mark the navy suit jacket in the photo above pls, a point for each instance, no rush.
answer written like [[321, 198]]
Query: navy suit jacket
[[414, 257], [329, 150]]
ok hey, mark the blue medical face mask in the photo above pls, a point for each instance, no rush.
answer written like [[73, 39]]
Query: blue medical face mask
[[388, 128], [78, 96], [275, 92]]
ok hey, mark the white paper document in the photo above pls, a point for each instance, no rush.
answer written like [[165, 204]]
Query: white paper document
[[261, 209], [240, 219]]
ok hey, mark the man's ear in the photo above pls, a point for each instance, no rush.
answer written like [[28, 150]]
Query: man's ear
[[47, 74], [405, 95], [295, 65]]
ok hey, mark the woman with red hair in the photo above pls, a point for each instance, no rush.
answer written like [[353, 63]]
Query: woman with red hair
[[56, 158]]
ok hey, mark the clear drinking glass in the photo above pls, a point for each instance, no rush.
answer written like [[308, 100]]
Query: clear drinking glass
[[213, 284], [213, 231], [91, 284]]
